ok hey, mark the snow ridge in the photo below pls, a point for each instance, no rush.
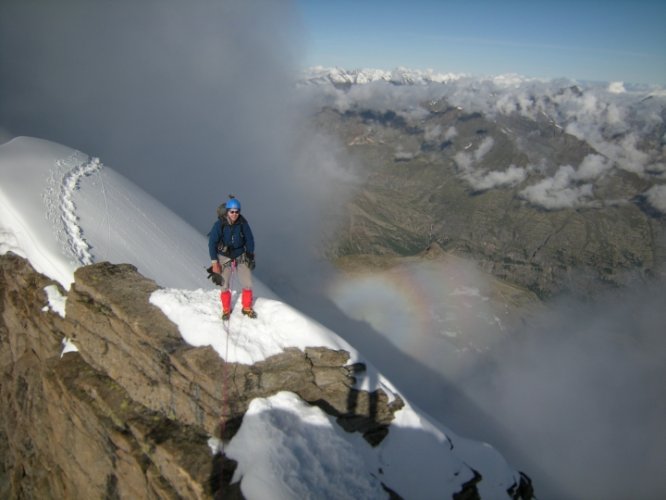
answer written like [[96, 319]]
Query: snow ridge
[[73, 235]]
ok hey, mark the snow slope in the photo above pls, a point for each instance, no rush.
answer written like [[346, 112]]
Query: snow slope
[[62, 209]]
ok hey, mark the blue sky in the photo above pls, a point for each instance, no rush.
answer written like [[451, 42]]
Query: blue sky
[[603, 40]]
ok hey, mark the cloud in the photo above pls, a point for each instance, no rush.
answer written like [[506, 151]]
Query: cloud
[[466, 161], [484, 148], [580, 390], [569, 187], [450, 133], [571, 392], [657, 169], [402, 155], [592, 167], [433, 133], [613, 123], [622, 124], [656, 196], [558, 192], [191, 100], [380, 96], [616, 88], [482, 179]]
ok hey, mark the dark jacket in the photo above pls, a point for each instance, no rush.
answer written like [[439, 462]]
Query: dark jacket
[[230, 240]]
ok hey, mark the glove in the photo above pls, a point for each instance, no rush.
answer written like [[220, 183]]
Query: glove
[[216, 277], [249, 260]]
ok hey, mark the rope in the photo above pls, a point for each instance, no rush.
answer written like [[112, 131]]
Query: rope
[[225, 398]]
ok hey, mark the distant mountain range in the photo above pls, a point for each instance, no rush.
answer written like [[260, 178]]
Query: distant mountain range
[[345, 77], [551, 185], [400, 76]]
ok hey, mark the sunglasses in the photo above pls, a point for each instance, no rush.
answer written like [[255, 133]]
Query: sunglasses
[[233, 211]]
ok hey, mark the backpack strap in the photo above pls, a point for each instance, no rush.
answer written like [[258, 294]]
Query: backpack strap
[[221, 247]]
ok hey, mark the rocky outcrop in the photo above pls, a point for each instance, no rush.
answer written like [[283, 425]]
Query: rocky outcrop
[[130, 414]]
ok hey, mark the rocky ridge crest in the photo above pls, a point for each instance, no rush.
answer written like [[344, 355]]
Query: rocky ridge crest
[[131, 413]]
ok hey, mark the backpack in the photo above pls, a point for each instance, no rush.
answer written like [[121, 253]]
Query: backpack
[[221, 212]]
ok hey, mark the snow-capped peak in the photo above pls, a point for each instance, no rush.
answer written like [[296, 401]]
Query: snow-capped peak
[[397, 76]]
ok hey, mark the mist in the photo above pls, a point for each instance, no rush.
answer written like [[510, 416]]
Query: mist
[[191, 100], [569, 392], [581, 393]]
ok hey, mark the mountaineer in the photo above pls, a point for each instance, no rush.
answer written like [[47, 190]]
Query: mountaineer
[[231, 249]]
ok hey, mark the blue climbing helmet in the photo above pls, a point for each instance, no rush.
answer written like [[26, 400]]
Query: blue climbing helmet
[[233, 203]]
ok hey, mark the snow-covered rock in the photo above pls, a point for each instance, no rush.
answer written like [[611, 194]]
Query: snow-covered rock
[[150, 375]]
